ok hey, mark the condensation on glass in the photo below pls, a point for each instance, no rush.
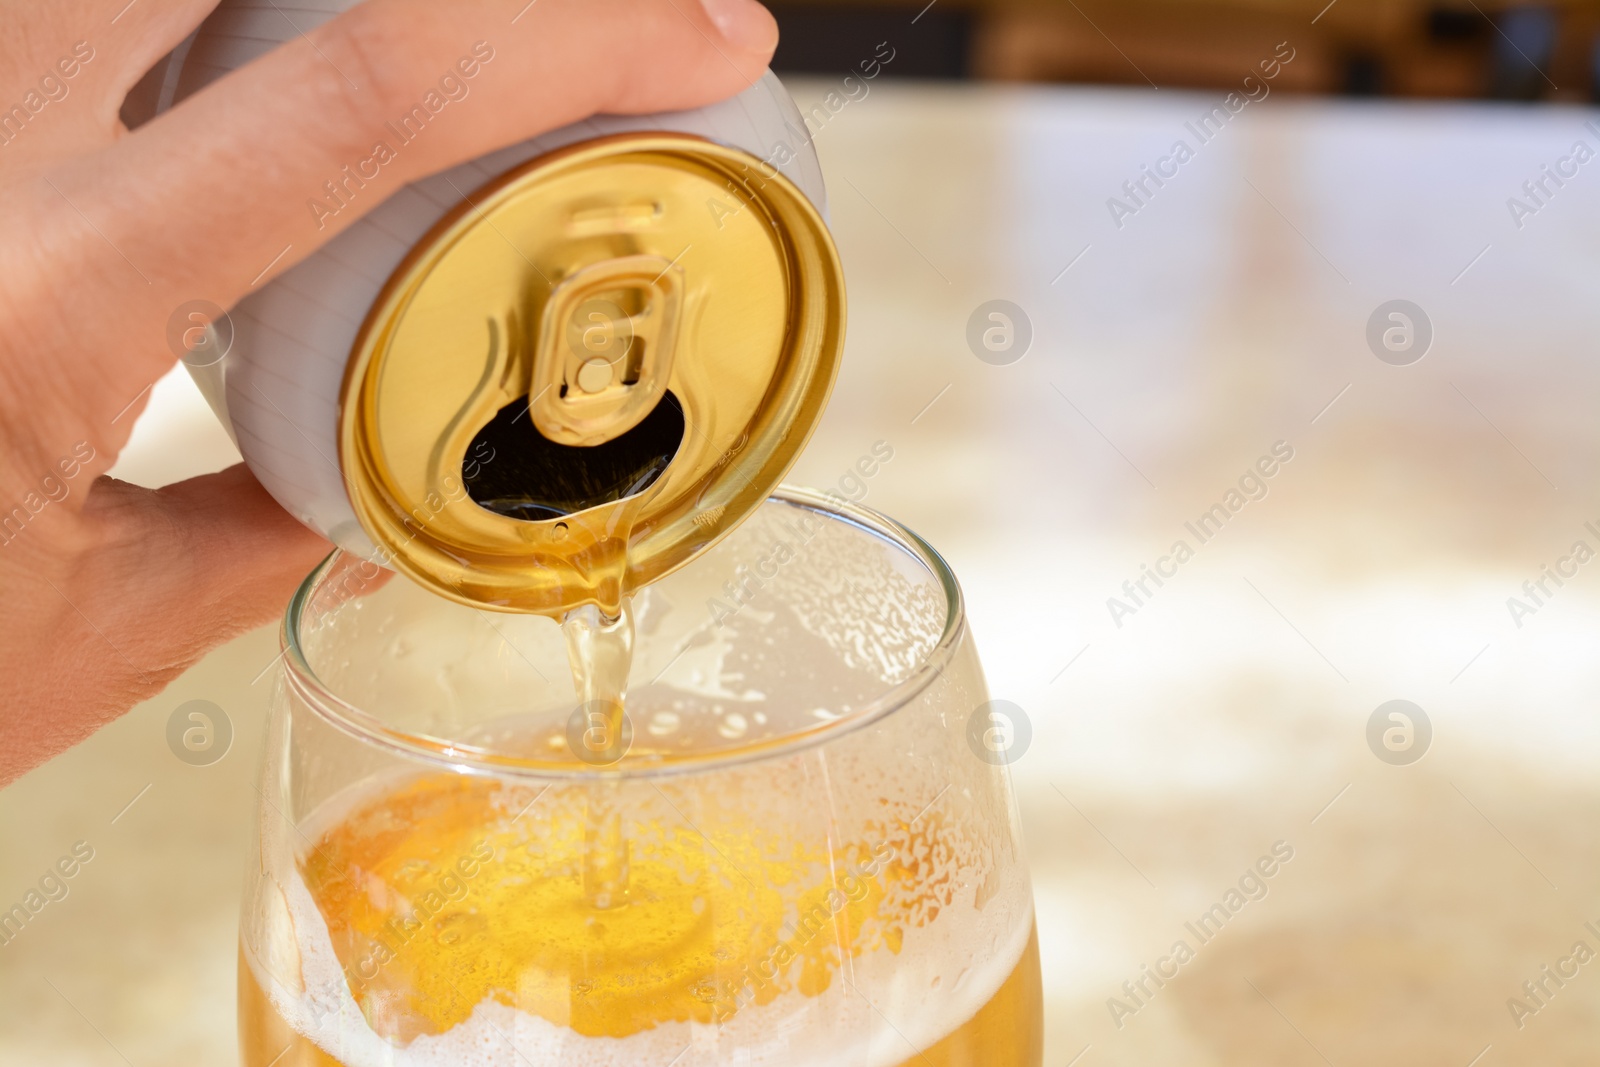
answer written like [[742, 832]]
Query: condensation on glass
[[820, 868]]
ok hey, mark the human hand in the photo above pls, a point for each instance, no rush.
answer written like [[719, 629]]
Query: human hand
[[110, 591]]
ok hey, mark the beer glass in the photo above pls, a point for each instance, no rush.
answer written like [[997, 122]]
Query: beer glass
[[802, 849]]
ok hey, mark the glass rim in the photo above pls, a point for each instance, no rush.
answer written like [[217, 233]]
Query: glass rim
[[363, 726]]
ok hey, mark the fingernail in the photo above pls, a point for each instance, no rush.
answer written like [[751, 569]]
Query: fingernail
[[744, 24]]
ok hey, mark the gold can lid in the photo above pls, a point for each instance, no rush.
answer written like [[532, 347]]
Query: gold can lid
[[591, 370]]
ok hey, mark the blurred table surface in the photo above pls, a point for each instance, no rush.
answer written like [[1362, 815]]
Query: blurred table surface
[[1231, 710]]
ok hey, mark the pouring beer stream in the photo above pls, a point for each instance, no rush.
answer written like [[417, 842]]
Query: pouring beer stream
[[538, 385]]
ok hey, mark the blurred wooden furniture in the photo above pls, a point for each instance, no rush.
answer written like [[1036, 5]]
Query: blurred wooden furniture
[[1416, 48]]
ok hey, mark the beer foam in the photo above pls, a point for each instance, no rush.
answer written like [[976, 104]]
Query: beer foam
[[961, 908], [915, 1000]]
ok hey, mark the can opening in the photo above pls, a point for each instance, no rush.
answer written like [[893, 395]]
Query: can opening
[[602, 257], [513, 470]]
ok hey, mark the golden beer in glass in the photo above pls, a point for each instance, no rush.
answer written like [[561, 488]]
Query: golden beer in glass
[[803, 858]]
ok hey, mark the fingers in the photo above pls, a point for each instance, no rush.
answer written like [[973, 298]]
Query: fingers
[[198, 562], [213, 198], [285, 125], [183, 569], [143, 32], [172, 573], [79, 61]]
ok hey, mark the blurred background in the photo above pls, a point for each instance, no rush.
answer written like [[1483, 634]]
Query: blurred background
[[974, 155], [1404, 48]]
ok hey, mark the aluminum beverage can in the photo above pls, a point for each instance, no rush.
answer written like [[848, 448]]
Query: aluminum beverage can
[[548, 376]]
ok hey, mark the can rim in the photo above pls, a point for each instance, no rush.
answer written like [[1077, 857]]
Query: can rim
[[435, 564], [361, 725]]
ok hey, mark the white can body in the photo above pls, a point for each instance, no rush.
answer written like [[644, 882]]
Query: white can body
[[277, 387]]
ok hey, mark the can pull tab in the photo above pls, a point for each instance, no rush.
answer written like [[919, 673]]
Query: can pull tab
[[604, 349]]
